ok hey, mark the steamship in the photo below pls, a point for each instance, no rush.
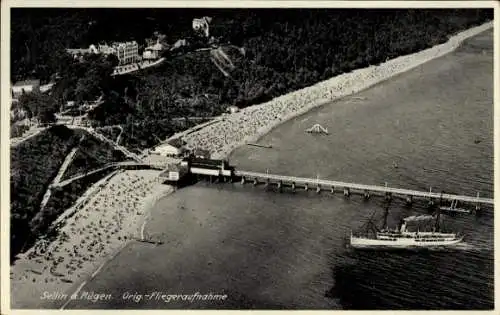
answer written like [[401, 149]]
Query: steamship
[[402, 238]]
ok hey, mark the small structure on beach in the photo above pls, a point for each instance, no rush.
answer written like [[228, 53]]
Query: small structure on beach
[[317, 128], [201, 153], [174, 148], [233, 109], [175, 172]]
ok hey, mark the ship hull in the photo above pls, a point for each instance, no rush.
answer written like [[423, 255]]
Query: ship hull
[[402, 243], [455, 210]]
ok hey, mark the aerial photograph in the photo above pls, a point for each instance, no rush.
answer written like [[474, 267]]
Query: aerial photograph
[[260, 158]]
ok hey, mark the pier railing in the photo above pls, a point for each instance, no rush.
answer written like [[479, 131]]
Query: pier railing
[[330, 184]]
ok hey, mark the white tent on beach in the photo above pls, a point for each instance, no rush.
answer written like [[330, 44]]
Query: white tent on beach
[[167, 150], [172, 149]]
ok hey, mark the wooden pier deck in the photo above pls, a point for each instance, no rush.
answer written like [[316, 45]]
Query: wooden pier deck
[[267, 146], [330, 184]]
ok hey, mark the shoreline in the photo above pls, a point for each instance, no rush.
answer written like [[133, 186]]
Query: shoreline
[[253, 122], [79, 203], [87, 240], [159, 192]]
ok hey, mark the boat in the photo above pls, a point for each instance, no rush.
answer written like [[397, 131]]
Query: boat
[[401, 238], [453, 208]]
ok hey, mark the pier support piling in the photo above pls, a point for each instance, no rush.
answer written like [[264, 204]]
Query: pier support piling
[[347, 192], [367, 195], [365, 191], [478, 205], [409, 200], [388, 196]]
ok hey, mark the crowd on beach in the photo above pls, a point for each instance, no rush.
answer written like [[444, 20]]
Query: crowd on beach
[[250, 123], [105, 222]]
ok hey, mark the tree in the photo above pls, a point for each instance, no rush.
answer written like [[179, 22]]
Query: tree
[[37, 104], [47, 116]]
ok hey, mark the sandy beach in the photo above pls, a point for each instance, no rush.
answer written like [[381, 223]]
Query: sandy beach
[[252, 122], [101, 227]]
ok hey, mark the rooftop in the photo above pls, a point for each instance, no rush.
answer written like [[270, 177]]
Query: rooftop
[[203, 152], [124, 43], [206, 162], [156, 46], [177, 143], [172, 167], [27, 82]]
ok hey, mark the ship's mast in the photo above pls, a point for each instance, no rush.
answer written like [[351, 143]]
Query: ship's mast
[[370, 225], [438, 214], [386, 214]]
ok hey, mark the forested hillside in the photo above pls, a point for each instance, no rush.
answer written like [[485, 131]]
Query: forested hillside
[[34, 164], [285, 49]]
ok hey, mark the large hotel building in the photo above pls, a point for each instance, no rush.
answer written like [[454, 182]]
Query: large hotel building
[[127, 52]]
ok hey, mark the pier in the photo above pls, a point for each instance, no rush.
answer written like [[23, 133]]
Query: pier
[[223, 172], [348, 188], [268, 146]]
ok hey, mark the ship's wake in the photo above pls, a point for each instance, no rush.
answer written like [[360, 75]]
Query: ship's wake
[[463, 246]]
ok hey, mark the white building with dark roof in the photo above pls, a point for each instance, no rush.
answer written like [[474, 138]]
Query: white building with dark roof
[[202, 25], [27, 86], [127, 52], [174, 148], [153, 51]]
